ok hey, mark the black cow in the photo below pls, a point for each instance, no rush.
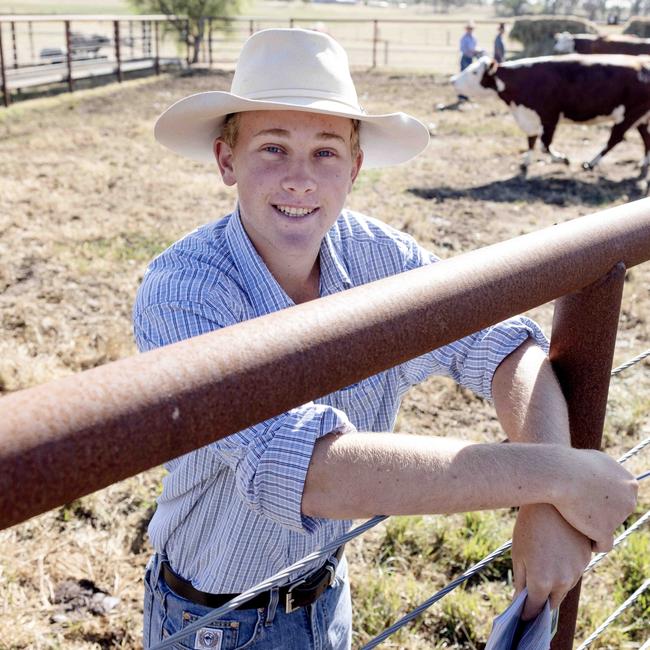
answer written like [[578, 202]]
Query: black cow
[[541, 91]]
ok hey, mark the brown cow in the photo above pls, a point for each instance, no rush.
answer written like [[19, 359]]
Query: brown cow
[[541, 91], [566, 43]]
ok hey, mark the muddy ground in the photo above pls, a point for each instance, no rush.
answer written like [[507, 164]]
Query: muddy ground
[[87, 198]]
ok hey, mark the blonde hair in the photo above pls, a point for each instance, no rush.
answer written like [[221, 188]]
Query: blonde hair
[[230, 133]]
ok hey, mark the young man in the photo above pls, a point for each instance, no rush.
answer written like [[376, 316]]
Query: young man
[[292, 137]]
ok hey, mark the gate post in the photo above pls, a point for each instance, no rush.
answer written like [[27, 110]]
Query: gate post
[[582, 348], [118, 53], [68, 55], [6, 96], [375, 38]]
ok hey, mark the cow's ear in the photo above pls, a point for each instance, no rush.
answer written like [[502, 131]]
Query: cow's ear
[[492, 67]]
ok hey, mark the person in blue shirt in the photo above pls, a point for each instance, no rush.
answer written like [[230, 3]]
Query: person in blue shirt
[[292, 138], [499, 46], [468, 51], [468, 46]]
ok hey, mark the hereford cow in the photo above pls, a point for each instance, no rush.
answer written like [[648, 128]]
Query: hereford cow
[[541, 91], [566, 43]]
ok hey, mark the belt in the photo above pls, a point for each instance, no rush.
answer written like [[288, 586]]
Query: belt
[[297, 594]]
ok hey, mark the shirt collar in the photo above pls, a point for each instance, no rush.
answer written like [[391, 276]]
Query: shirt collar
[[334, 274], [265, 294], [263, 289]]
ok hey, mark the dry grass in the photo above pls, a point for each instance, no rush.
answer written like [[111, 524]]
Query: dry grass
[[88, 197]]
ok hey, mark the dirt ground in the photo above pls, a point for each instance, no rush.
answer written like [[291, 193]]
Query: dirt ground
[[88, 197]]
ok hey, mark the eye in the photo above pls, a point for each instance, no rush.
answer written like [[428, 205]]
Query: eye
[[272, 148], [325, 153]]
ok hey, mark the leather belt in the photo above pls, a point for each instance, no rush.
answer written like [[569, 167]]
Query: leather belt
[[297, 594]]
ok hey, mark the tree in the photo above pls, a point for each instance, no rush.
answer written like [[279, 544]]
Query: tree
[[189, 13], [512, 7]]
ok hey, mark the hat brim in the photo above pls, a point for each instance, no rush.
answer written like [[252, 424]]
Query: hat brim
[[190, 126]]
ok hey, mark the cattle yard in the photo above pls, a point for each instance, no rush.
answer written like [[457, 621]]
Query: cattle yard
[[543, 90], [90, 198]]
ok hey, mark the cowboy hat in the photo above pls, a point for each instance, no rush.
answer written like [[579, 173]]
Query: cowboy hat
[[289, 69]]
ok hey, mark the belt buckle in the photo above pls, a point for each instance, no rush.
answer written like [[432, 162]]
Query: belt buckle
[[288, 598], [288, 603], [331, 569]]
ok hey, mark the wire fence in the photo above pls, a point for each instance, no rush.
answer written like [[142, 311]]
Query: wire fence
[[41, 51], [280, 577]]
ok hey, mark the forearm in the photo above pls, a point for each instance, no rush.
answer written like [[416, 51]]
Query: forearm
[[360, 475], [528, 398]]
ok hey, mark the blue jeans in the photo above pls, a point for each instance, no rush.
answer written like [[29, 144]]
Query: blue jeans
[[465, 61], [323, 625]]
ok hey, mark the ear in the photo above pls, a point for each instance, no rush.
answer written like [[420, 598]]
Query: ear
[[356, 168], [492, 67], [225, 160]]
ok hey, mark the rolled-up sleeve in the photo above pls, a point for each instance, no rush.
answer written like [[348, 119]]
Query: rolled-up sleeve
[[473, 360], [270, 461]]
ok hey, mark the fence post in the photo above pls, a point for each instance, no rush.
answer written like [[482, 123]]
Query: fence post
[[187, 41], [13, 43], [118, 56], [375, 36], [68, 55], [582, 348], [210, 42], [157, 46], [30, 31], [6, 96], [251, 27]]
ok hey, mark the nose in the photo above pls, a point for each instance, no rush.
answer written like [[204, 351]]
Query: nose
[[299, 178]]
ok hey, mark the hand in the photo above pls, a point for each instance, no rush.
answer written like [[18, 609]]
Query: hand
[[596, 497], [548, 556]]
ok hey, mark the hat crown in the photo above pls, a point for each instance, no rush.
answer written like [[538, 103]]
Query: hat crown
[[285, 63]]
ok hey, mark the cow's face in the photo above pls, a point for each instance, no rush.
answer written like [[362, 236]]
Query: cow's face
[[477, 79], [564, 43]]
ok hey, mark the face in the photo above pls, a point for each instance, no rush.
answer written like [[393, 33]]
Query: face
[[473, 79], [293, 171]]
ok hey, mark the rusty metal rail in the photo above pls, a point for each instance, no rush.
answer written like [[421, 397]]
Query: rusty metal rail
[[67, 438], [64, 439]]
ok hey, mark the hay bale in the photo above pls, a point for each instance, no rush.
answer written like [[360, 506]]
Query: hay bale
[[537, 33], [638, 26]]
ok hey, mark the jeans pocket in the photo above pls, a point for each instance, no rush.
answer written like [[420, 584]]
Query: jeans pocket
[[235, 631]]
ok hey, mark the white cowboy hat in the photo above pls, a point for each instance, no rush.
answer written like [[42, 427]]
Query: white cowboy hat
[[289, 69]]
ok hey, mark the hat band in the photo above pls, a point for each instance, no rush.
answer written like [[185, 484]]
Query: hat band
[[284, 96]]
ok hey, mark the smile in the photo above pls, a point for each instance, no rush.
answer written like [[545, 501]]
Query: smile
[[294, 212]]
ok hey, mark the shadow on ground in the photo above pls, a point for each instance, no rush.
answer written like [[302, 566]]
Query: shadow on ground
[[552, 190]]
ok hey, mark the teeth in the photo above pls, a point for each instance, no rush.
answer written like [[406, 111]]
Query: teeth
[[294, 212]]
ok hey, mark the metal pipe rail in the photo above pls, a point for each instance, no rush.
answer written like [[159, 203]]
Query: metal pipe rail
[[70, 437], [64, 439]]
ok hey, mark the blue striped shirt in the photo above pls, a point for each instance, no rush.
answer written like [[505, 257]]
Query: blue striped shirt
[[229, 514]]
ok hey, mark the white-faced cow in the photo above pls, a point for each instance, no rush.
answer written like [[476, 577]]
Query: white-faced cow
[[541, 91], [566, 43]]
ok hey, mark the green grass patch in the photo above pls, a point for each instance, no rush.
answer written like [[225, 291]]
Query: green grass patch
[[122, 248]]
